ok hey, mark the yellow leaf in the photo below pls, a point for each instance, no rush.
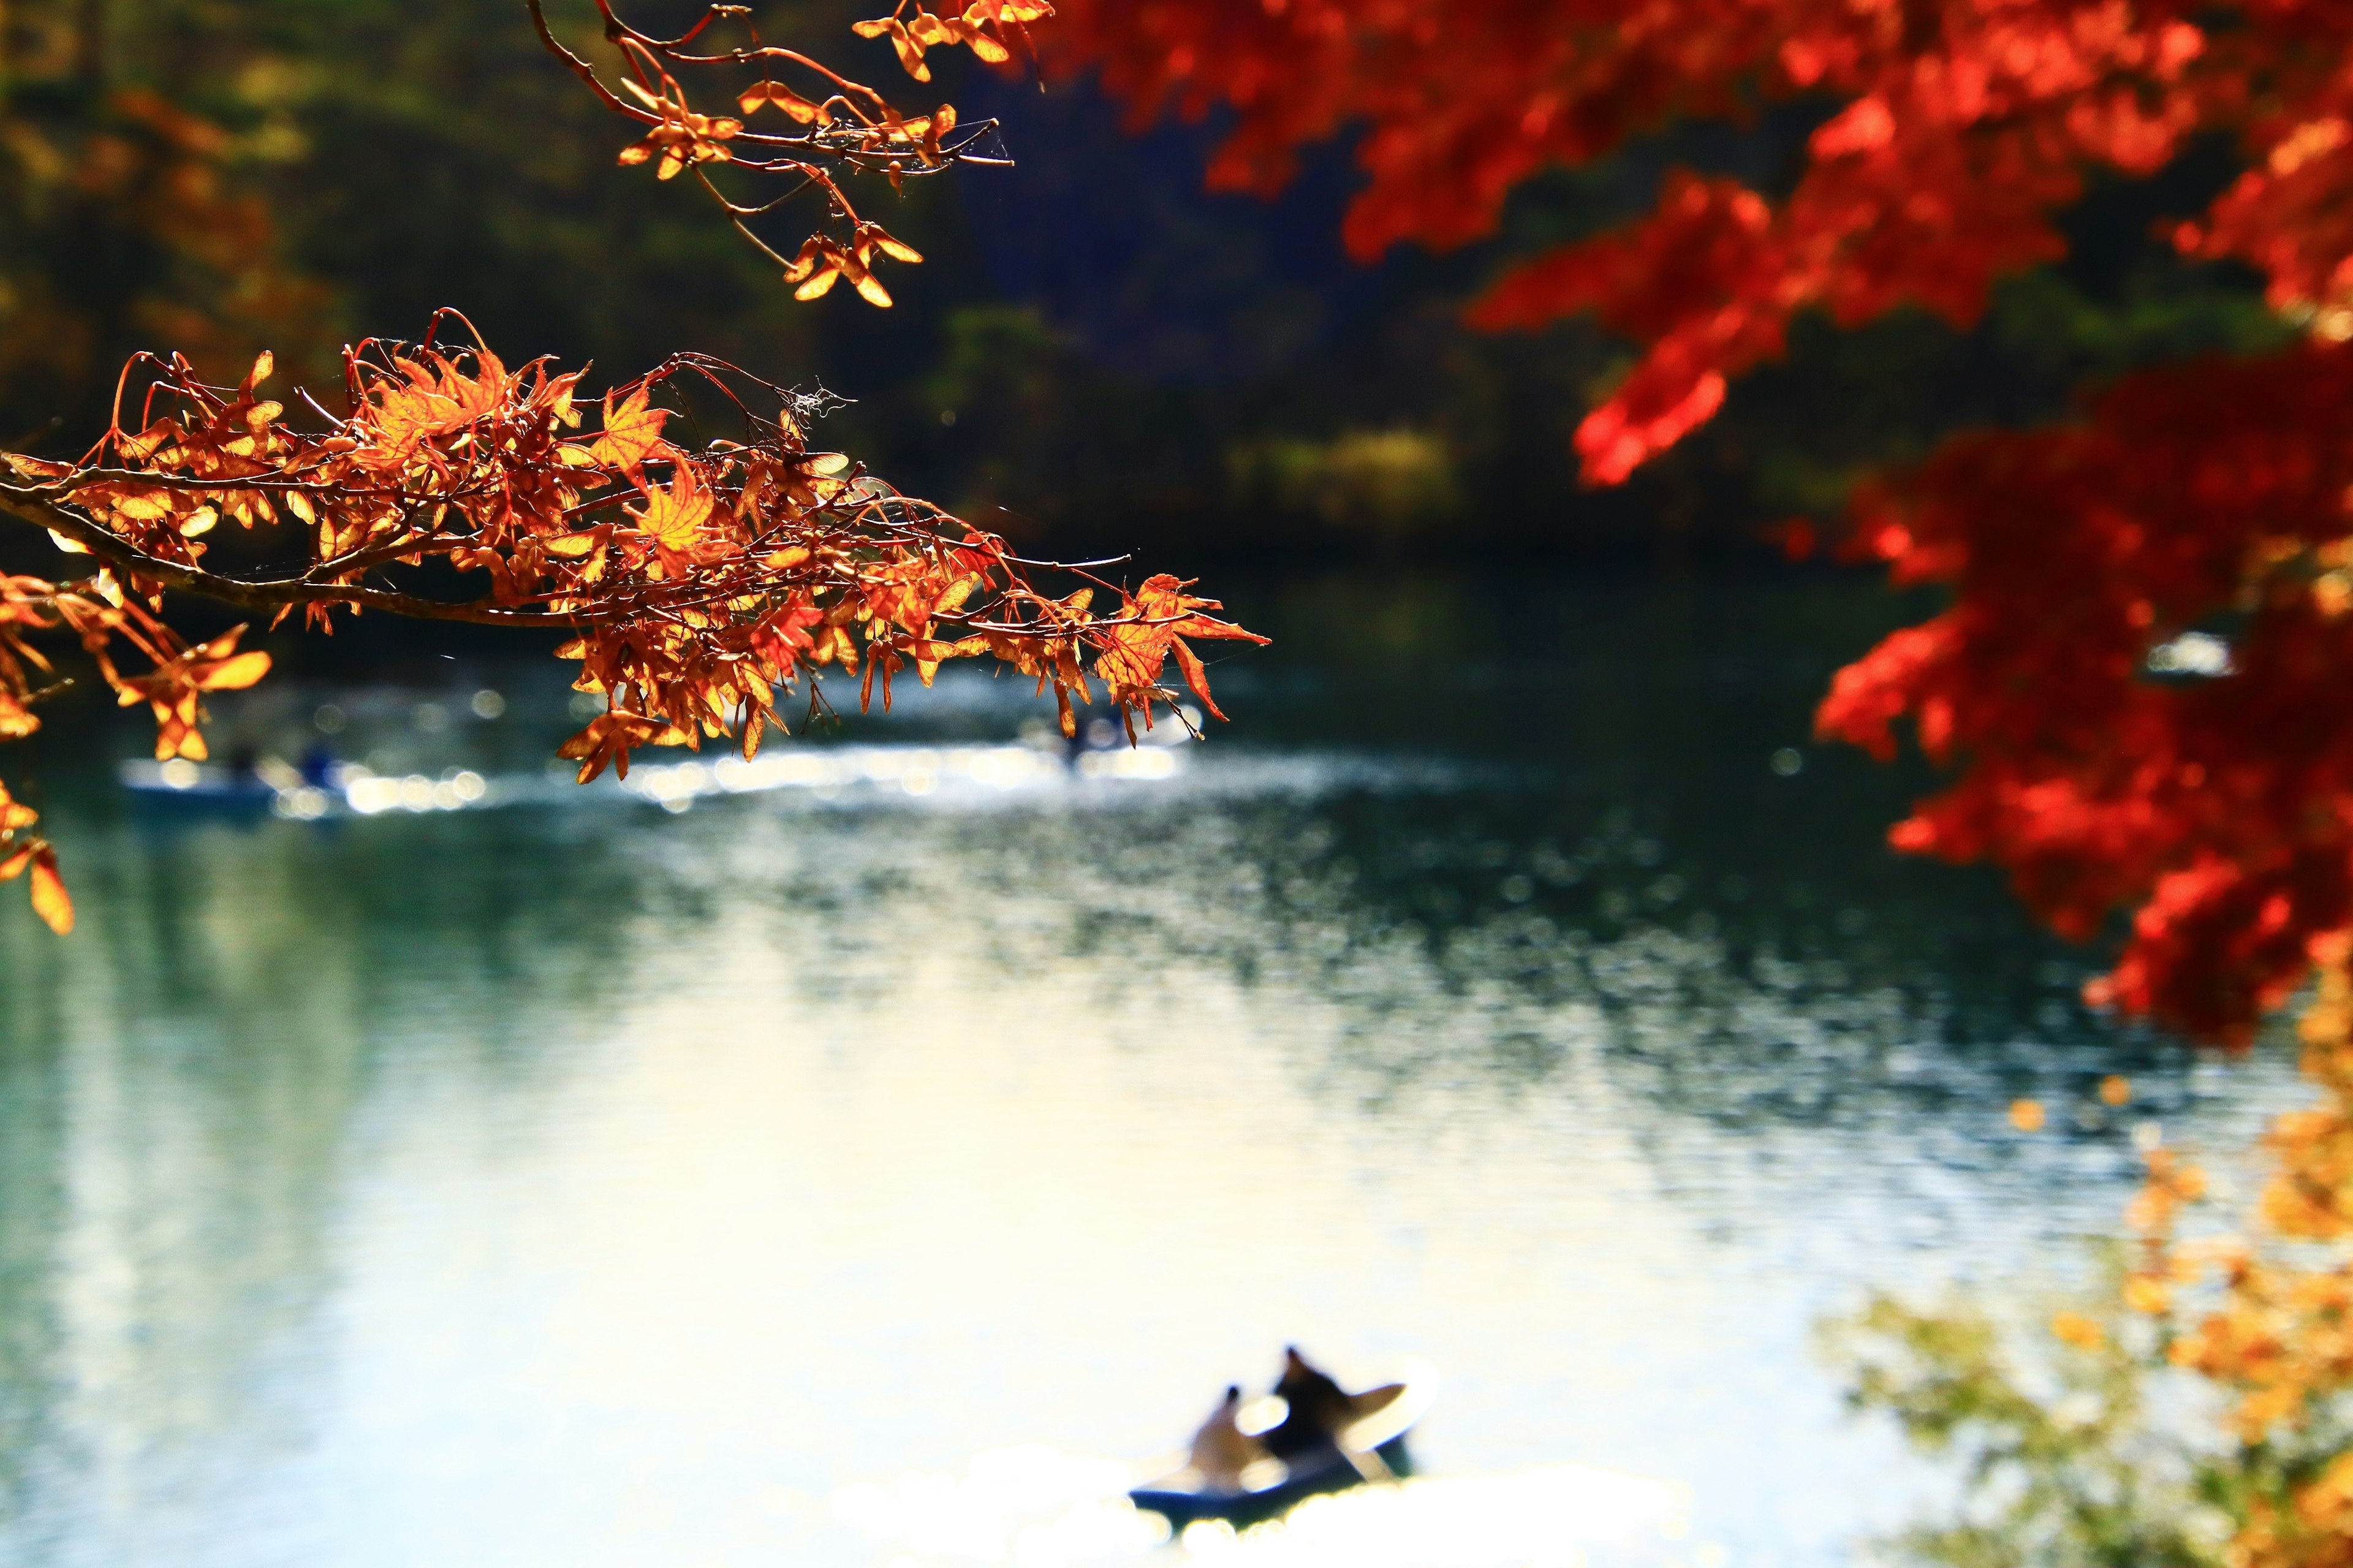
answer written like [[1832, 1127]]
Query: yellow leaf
[[49, 898], [783, 97], [235, 674], [2074, 1329], [674, 517]]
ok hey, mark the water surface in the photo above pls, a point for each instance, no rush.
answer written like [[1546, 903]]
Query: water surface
[[865, 1173]]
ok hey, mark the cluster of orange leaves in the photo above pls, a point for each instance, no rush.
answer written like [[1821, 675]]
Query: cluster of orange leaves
[[699, 581], [2270, 1319], [994, 30], [105, 621], [841, 126], [1954, 136]]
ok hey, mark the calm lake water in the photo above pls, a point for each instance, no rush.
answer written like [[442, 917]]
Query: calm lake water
[[869, 1167]]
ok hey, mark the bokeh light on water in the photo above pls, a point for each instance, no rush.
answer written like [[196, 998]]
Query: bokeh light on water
[[847, 1174]]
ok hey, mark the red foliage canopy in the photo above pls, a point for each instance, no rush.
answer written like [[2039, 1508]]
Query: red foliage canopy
[[2208, 499]]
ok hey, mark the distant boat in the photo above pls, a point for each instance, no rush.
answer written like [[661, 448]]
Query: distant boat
[[1370, 1447], [319, 788], [199, 785]]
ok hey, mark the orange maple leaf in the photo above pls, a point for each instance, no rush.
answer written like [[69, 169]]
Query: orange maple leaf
[[172, 689], [674, 519], [632, 435], [607, 739], [1157, 618]]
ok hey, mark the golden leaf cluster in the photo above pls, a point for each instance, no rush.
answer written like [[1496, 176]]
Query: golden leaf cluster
[[2269, 1318], [837, 127], [700, 582], [992, 29], [20, 851], [680, 137]]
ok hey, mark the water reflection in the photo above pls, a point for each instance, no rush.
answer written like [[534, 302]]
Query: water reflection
[[580, 1182], [1040, 1508]]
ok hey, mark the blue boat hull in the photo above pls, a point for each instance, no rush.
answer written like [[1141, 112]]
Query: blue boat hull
[[1313, 1476]]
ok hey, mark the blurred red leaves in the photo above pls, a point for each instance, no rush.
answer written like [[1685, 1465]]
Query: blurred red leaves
[[2215, 804], [1966, 125], [2111, 763]]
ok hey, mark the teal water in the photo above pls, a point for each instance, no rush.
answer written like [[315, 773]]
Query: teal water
[[876, 1167]]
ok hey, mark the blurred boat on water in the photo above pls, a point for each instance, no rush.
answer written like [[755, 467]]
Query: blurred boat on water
[[1370, 1445], [185, 785]]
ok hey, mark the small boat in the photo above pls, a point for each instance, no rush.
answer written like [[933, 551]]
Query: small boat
[[199, 785], [266, 787], [1371, 1447]]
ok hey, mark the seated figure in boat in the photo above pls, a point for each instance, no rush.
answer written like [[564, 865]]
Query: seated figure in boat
[[1330, 1440], [1222, 1450], [1317, 1408], [1319, 1411]]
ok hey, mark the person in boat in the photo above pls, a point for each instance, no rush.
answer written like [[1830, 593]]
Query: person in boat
[[1317, 1408], [1222, 1450]]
